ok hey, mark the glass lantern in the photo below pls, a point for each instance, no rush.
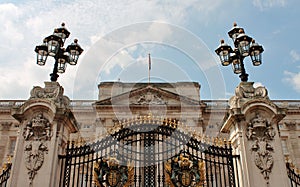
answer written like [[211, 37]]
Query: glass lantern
[[74, 51], [224, 51], [42, 54], [242, 42], [255, 53], [236, 64], [54, 43]]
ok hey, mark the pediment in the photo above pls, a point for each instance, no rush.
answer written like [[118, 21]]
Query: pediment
[[148, 95]]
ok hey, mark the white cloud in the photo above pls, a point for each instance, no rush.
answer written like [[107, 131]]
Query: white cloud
[[10, 32], [128, 46], [293, 79], [121, 59], [295, 55], [15, 79], [265, 4], [25, 24]]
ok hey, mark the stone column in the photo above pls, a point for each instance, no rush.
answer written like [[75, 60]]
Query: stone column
[[46, 122], [252, 124]]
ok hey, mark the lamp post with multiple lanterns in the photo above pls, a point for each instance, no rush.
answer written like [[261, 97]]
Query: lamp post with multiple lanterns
[[53, 46], [244, 46]]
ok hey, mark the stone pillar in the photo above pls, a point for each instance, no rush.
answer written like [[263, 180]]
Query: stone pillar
[[46, 122], [252, 124]]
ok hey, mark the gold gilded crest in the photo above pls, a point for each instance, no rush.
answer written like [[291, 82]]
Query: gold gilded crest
[[186, 178], [113, 178]]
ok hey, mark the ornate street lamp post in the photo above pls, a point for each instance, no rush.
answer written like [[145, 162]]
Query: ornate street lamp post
[[244, 46], [53, 46]]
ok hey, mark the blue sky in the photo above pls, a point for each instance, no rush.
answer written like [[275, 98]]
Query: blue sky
[[181, 36]]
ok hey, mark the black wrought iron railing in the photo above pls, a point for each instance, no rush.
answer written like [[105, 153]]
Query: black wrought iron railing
[[293, 175], [149, 152], [5, 175]]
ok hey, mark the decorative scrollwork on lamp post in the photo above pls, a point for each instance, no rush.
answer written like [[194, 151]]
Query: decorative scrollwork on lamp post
[[53, 46], [244, 46]]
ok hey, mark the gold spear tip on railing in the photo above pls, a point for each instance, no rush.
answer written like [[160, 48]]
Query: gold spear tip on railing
[[287, 159], [229, 142]]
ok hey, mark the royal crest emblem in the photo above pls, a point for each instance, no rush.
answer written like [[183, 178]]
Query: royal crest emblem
[[113, 178], [181, 170], [109, 173], [186, 177]]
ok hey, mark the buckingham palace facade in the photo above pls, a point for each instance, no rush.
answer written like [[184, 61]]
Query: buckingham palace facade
[[149, 134]]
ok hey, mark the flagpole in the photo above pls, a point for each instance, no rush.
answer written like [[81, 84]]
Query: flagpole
[[149, 68]]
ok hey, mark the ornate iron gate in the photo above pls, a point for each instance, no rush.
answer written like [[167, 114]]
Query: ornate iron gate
[[293, 175], [148, 152], [4, 176]]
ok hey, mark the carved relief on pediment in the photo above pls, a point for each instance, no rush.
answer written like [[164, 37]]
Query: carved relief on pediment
[[149, 98]]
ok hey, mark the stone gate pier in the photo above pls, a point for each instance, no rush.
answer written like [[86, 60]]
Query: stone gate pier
[[46, 122], [252, 122]]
